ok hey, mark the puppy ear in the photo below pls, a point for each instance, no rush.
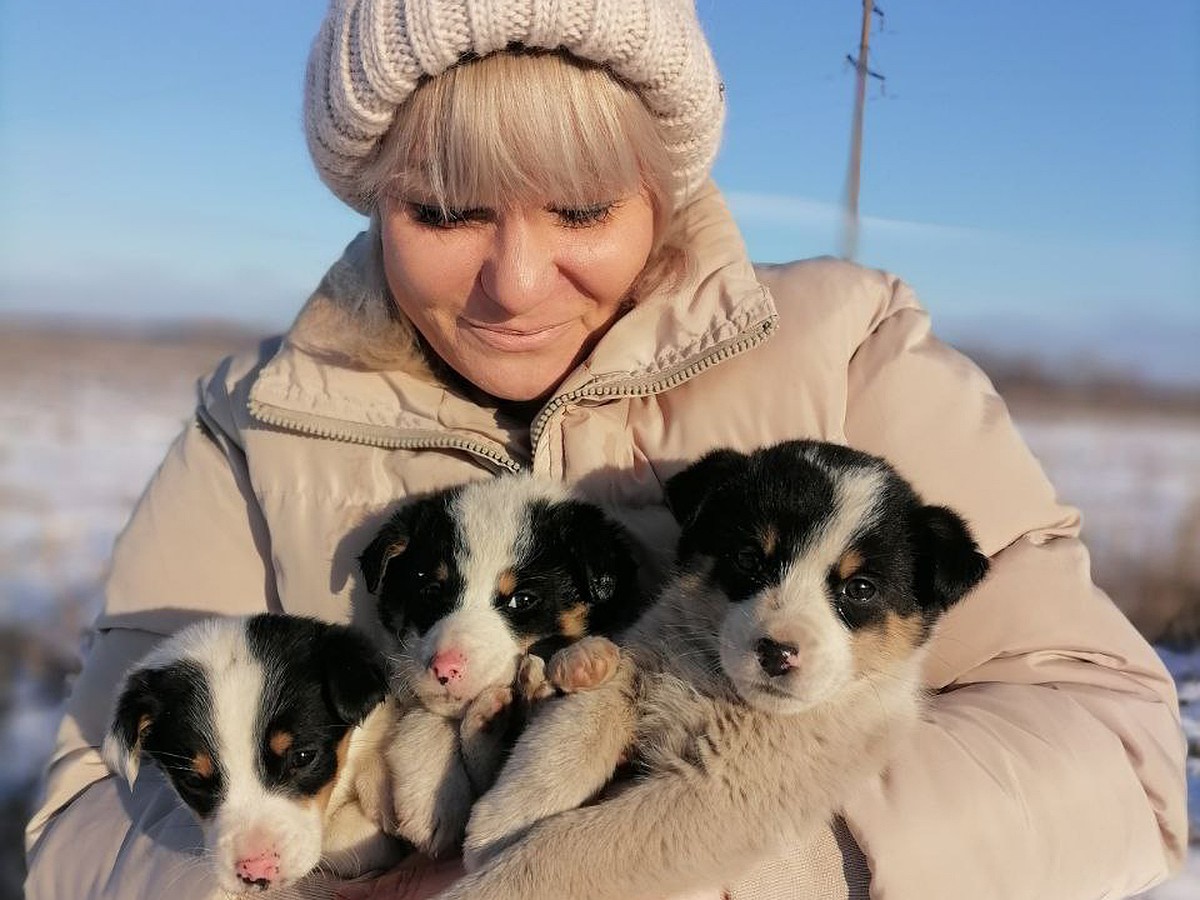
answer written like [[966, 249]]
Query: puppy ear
[[390, 542], [601, 552], [688, 490], [354, 681], [948, 561], [137, 707]]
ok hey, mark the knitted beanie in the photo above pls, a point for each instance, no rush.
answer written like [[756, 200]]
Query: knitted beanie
[[370, 54]]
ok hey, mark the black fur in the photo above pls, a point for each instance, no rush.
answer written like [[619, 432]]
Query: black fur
[[324, 680], [579, 556], [915, 557], [319, 681]]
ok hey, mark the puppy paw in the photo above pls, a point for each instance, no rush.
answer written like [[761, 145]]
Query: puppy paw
[[488, 713], [531, 683], [583, 665]]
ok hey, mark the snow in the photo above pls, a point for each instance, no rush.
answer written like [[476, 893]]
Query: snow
[[80, 437]]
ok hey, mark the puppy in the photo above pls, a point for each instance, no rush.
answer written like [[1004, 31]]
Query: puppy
[[476, 586], [772, 678], [262, 726]]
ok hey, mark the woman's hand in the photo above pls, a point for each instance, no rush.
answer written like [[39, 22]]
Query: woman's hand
[[416, 878]]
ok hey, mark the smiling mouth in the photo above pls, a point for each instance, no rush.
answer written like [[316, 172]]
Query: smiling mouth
[[514, 339]]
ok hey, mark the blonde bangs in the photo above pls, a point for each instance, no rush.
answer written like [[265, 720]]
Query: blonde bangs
[[523, 126]]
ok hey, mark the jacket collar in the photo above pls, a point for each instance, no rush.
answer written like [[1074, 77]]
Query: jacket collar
[[351, 368]]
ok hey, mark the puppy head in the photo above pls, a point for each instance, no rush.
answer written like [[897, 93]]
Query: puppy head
[[831, 567], [469, 579], [249, 719]]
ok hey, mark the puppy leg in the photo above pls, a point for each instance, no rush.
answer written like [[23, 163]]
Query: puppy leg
[[482, 735], [431, 792], [567, 753], [747, 785]]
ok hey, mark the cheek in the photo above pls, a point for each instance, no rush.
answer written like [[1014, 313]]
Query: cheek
[[429, 274], [605, 265]]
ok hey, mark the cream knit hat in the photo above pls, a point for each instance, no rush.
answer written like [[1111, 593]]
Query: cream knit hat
[[370, 54]]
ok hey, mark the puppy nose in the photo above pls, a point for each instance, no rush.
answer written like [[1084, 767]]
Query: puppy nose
[[259, 871], [774, 657], [448, 666]]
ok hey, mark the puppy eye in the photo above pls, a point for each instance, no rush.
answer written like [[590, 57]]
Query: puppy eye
[[859, 589], [749, 560], [301, 758], [193, 780], [522, 601]]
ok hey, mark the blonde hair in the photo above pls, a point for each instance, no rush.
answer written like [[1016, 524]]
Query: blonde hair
[[523, 124]]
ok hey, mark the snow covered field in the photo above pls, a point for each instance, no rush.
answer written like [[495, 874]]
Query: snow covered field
[[84, 420]]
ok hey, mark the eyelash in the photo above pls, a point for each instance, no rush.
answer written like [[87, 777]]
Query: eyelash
[[430, 215]]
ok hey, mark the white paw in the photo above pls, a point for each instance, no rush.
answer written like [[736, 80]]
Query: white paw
[[583, 665]]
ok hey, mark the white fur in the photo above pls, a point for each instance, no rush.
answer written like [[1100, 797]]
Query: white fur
[[252, 819], [797, 612], [492, 519]]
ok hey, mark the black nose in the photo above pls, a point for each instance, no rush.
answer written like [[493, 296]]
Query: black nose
[[774, 657]]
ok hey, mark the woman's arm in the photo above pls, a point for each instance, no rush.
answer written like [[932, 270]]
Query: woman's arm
[[1051, 764], [195, 546]]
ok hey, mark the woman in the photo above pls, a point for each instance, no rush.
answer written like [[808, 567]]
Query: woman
[[549, 282]]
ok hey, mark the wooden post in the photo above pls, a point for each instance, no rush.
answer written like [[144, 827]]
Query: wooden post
[[850, 216]]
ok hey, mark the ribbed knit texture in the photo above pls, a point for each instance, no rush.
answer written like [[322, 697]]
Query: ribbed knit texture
[[369, 55]]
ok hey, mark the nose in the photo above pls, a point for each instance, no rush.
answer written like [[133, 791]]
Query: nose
[[520, 270], [774, 657], [259, 871], [448, 665]]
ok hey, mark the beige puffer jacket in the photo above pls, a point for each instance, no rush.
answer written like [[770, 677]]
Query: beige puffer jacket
[[1051, 761]]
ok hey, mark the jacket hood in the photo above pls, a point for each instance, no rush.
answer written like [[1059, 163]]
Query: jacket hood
[[352, 367]]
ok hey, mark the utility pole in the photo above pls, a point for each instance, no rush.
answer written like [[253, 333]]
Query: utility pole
[[853, 173]]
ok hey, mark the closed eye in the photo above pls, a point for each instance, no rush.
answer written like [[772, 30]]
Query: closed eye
[[583, 216], [432, 215]]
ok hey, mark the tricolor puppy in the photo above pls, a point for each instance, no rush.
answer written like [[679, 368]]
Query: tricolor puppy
[[261, 725], [475, 587], [774, 675]]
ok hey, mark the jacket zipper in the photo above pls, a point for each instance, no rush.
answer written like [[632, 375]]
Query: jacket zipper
[[646, 386], [318, 426]]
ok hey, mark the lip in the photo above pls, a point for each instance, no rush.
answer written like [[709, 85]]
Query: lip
[[514, 340]]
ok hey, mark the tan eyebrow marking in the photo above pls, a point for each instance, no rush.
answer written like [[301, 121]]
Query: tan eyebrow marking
[[769, 539], [506, 583], [572, 622], [280, 742], [202, 765], [851, 561]]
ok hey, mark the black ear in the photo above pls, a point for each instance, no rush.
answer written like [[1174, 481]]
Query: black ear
[[948, 561], [688, 490], [601, 552], [390, 542], [136, 709], [355, 682]]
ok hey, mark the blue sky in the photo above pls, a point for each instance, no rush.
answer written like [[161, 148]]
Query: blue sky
[[1032, 168]]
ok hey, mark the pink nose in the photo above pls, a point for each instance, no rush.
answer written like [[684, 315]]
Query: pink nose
[[448, 666], [259, 870]]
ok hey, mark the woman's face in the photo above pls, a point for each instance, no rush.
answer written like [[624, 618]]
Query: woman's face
[[514, 298]]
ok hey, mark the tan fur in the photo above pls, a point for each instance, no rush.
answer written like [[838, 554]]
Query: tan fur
[[280, 742], [573, 622], [202, 765], [716, 768], [769, 540], [321, 798], [892, 641], [506, 582], [851, 561]]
